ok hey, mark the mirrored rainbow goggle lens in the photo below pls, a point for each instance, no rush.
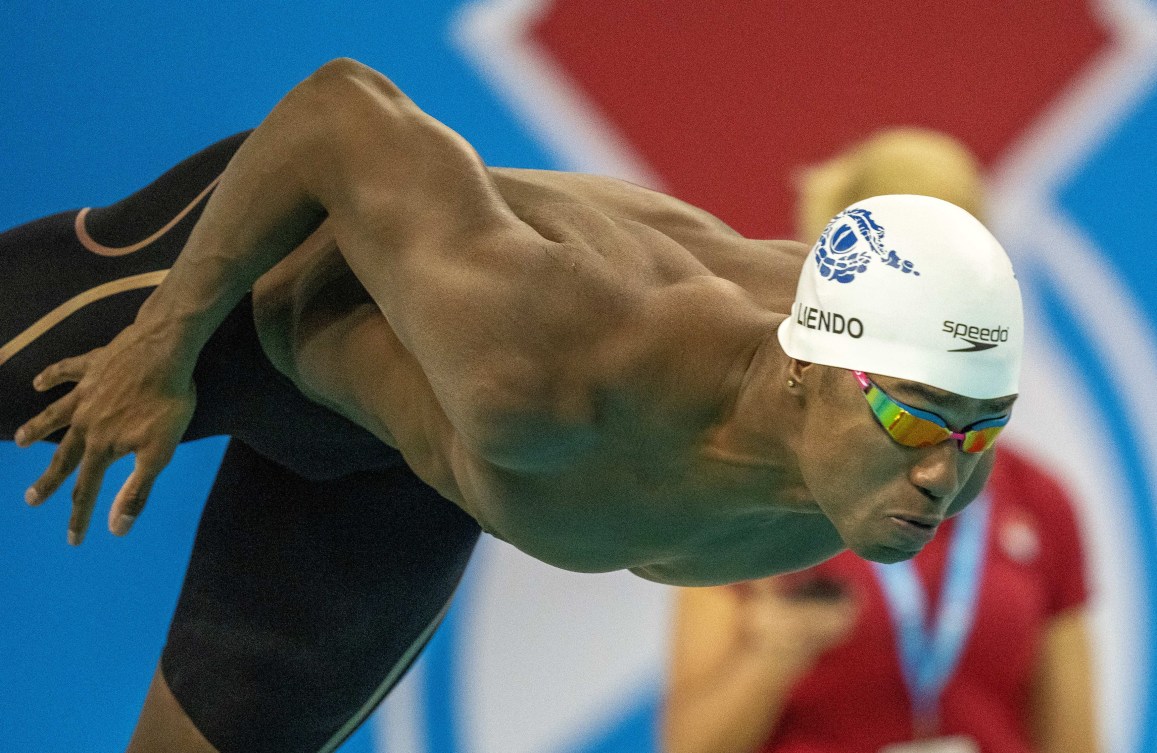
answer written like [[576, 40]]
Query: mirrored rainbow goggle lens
[[979, 440], [912, 431]]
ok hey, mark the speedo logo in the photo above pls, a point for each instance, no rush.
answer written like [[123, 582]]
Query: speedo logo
[[978, 338], [828, 321]]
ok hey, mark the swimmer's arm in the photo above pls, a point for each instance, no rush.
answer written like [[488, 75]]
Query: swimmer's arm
[[486, 306], [478, 297], [398, 185], [344, 143], [975, 483]]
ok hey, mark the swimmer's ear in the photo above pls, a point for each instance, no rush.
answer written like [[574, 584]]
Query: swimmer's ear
[[799, 370]]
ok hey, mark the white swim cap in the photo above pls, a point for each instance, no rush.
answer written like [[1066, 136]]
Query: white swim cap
[[910, 287]]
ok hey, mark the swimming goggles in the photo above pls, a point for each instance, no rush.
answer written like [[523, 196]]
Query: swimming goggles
[[913, 427]]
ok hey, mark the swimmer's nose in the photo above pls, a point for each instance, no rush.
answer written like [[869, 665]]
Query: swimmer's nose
[[937, 472]]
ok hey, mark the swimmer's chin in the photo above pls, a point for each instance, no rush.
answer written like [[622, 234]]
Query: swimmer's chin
[[885, 555], [673, 577], [655, 574]]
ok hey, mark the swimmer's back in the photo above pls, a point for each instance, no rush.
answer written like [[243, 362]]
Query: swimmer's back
[[766, 269]]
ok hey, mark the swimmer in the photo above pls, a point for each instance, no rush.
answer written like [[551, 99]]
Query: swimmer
[[407, 347]]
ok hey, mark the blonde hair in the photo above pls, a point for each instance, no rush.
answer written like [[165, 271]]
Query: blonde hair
[[904, 160]]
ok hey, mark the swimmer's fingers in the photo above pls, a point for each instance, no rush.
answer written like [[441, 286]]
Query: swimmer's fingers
[[153, 441], [89, 478], [129, 398], [51, 419], [64, 460], [62, 372], [131, 499]]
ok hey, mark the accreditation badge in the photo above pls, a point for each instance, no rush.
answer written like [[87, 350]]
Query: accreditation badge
[[954, 744]]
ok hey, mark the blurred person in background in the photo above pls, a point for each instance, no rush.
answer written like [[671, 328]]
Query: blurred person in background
[[977, 645]]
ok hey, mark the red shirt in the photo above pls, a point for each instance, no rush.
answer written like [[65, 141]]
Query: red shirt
[[855, 699]]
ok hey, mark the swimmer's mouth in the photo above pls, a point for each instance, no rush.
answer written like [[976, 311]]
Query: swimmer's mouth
[[910, 533], [925, 523]]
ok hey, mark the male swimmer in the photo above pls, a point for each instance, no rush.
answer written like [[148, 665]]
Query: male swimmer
[[406, 346]]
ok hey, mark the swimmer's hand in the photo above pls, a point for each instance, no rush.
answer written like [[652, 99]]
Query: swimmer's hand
[[134, 395]]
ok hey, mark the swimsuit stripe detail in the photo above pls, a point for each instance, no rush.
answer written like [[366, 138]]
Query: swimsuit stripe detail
[[74, 304], [388, 683], [96, 247]]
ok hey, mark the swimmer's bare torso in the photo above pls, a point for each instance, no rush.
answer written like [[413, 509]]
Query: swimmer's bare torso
[[587, 368], [639, 484]]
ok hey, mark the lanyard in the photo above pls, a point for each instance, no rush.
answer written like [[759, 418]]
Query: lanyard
[[930, 649]]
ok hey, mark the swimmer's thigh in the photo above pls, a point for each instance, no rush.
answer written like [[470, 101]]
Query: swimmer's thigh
[[70, 282], [305, 601]]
